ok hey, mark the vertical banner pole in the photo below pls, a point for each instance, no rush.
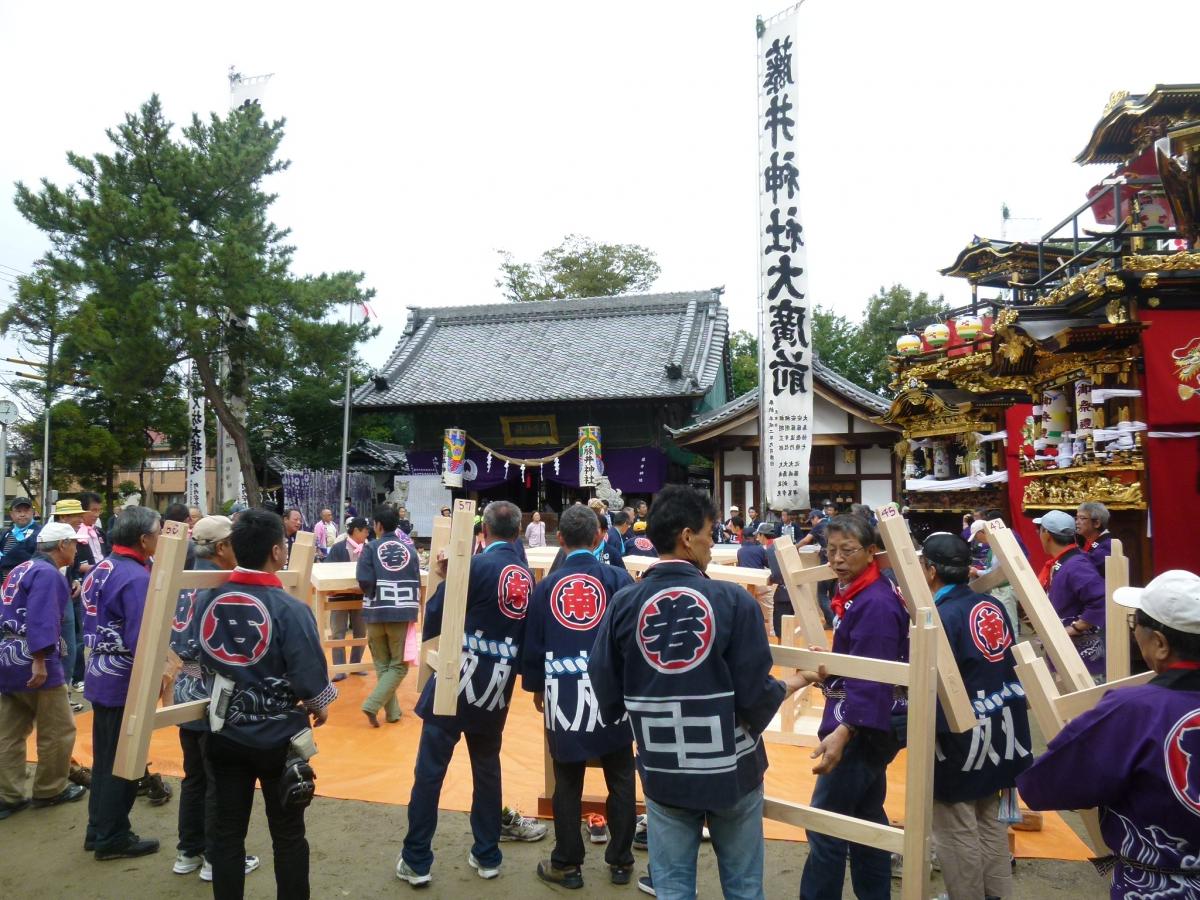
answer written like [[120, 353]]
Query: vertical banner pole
[[785, 326]]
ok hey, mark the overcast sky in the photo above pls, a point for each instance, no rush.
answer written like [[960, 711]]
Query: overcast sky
[[425, 137]]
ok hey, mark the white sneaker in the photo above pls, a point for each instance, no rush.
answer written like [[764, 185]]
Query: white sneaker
[[404, 873], [186, 865], [516, 827], [252, 863], [484, 871]]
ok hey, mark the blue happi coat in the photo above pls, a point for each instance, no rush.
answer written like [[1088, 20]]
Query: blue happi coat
[[974, 764], [498, 592], [687, 658], [389, 574], [560, 633]]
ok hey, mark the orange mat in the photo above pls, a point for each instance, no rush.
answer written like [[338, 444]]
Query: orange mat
[[357, 762]]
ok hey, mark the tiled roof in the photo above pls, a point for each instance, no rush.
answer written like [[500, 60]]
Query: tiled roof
[[634, 346], [390, 456], [824, 376]]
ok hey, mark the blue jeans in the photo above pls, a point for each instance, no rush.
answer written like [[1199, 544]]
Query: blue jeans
[[74, 645], [857, 787], [77, 672], [737, 838], [433, 758]]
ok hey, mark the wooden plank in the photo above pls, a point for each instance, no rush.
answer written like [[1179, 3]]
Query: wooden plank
[[883, 670], [848, 828], [438, 541], [636, 565], [792, 565], [1070, 705], [924, 669], [724, 555], [296, 578], [150, 655], [1116, 630], [178, 713], [738, 574], [334, 577], [986, 582], [428, 664], [956, 703], [1037, 606], [454, 608], [1040, 689]]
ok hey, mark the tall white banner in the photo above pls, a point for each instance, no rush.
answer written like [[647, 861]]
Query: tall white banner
[[197, 461], [785, 327]]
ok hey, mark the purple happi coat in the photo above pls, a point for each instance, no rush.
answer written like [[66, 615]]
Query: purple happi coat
[[1136, 756], [114, 599], [1077, 592], [32, 603]]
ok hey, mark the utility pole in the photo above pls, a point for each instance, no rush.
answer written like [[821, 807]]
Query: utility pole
[[49, 395], [344, 483]]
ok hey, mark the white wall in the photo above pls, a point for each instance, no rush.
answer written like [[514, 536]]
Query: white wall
[[876, 491], [827, 418], [876, 461], [737, 462]]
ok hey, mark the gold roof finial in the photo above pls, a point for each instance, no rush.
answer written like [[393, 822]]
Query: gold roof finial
[[1113, 99]]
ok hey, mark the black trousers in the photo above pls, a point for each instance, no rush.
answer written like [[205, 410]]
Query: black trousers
[[234, 769], [197, 795], [621, 809], [111, 798]]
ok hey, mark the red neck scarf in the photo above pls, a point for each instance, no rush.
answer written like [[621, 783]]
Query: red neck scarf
[[1047, 572], [131, 553], [1186, 664], [845, 593], [254, 576]]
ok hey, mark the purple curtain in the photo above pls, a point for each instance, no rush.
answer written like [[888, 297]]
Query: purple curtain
[[311, 491], [641, 470]]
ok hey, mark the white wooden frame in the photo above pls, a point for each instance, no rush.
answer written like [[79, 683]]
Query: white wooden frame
[[454, 611], [142, 715]]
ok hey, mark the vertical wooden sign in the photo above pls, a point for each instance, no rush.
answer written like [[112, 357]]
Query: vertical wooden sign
[[1116, 633]]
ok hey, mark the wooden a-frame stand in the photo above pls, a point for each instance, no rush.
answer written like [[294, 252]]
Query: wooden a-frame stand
[[801, 571], [920, 676], [167, 578]]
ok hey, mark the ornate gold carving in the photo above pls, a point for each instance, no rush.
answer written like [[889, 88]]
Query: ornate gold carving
[[1172, 262], [1153, 302], [1149, 282], [1115, 312], [1093, 282], [1006, 316], [1070, 492], [1114, 284], [1113, 100], [1012, 344]]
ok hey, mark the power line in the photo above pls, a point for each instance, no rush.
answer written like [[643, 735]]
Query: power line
[[13, 269]]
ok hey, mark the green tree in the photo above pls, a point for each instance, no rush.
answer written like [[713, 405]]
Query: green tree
[[889, 309], [836, 341], [169, 242], [579, 267], [743, 357], [79, 449]]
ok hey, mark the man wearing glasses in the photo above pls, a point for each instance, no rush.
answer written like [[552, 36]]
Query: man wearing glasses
[[858, 739], [1091, 524]]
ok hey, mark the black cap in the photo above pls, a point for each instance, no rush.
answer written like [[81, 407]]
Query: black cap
[[766, 528], [947, 549], [20, 501]]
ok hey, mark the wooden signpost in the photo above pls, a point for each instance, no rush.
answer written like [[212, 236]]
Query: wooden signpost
[[454, 609], [1037, 606], [919, 675], [167, 578], [438, 541]]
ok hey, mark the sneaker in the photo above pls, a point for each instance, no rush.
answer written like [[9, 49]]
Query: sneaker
[[620, 874], [69, 794], [77, 687], [516, 827], [646, 885], [571, 878], [404, 873], [597, 828], [639, 833], [11, 809], [704, 833], [76, 707], [186, 865], [136, 847], [252, 863], [484, 871]]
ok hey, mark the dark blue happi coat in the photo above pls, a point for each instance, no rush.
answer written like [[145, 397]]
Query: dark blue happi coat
[[687, 658], [560, 633], [498, 593]]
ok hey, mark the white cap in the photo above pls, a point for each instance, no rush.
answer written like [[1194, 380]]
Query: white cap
[[977, 526], [734, 509], [1171, 599], [56, 532]]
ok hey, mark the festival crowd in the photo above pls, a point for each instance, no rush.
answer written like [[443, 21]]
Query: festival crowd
[[666, 679]]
